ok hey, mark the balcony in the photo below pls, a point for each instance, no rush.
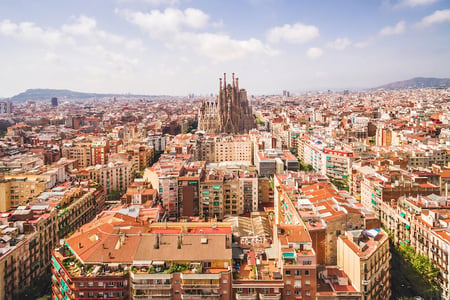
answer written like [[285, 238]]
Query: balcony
[[145, 286], [200, 286], [247, 296], [153, 296], [200, 296], [270, 296]]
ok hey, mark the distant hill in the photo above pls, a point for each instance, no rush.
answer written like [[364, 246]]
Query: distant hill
[[47, 94], [417, 83]]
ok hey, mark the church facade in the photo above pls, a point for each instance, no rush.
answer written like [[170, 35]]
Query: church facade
[[230, 113]]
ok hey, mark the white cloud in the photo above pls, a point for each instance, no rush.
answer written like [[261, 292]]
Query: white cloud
[[154, 2], [86, 27], [186, 30], [339, 44], [363, 44], [29, 32], [399, 28], [314, 53], [221, 47], [170, 21], [439, 16], [414, 3], [161, 2], [297, 33], [81, 40]]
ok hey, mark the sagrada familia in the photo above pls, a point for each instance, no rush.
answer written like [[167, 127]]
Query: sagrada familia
[[231, 113]]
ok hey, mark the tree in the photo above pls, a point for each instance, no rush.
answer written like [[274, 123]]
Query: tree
[[305, 167], [114, 195], [421, 264]]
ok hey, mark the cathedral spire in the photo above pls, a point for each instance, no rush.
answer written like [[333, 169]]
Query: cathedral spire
[[230, 113]]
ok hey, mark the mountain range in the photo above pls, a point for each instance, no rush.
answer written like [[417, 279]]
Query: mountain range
[[417, 83], [47, 94]]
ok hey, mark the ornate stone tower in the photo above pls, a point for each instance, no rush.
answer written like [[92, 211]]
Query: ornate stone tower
[[231, 113]]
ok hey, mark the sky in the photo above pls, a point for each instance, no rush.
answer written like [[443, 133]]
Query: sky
[[177, 47]]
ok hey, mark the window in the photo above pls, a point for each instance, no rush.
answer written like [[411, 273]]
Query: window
[[288, 293], [90, 283], [100, 283], [288, 282], [91, 295], [306, 272], [298, 273], [111, 294], [298, 292], [288, 272], [307, 293], [110, 283], [307, 282], [177, 281], [224, 281]]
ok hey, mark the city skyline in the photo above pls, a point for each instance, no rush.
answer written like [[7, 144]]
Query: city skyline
[[178, 47]]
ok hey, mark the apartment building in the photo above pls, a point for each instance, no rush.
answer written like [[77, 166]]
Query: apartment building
[[140, 155], [269, 162], [236, 148], [133, 260], [212, 148], [328, 160], [140, 192], [114, 176], [28, 235], [20, 190], [422, 222], [377, 188], [163, 176], [298, 259], [228, 189], [81, 151], [364, 256]]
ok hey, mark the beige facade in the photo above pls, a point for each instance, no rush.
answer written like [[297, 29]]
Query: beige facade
[[364, 256], [79, 151], [233, 150], [17, 191], [114, 176]]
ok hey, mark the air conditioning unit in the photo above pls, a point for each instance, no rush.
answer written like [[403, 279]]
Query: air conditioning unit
[[365, 282], [204, 240]]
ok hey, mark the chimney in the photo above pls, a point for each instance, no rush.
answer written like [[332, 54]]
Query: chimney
[[156, 244], [225, 80], [232, 79], [180, 241], [220, 80]]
